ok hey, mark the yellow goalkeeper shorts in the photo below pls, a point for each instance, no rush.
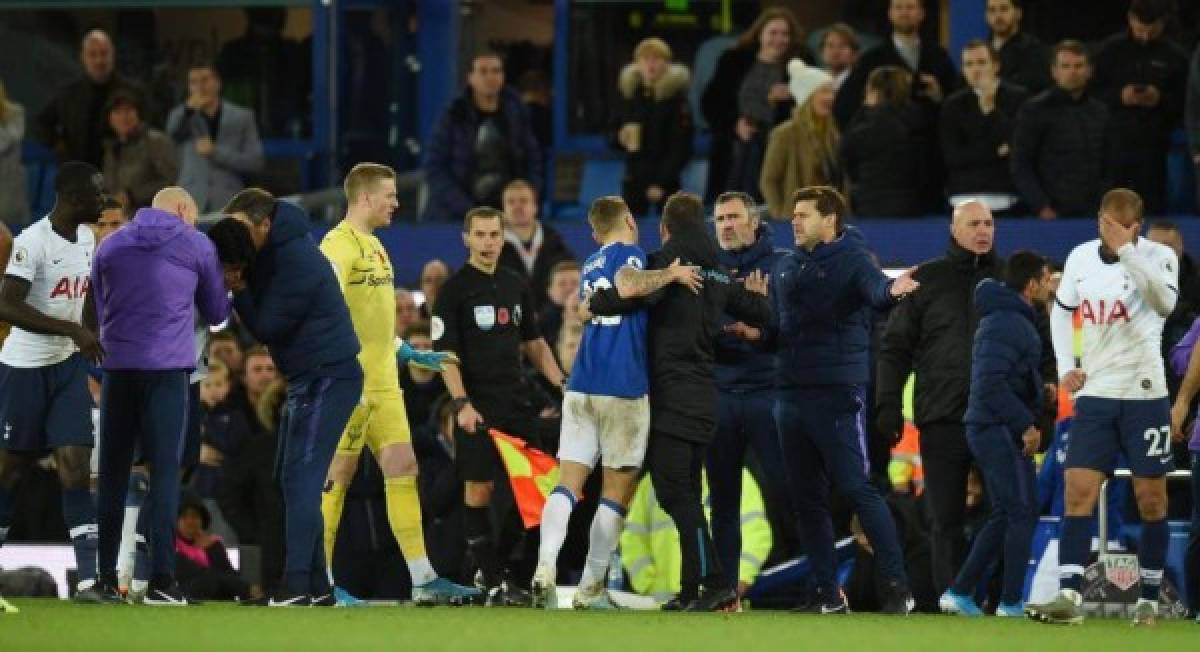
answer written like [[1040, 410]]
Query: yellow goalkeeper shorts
[[379, 420]]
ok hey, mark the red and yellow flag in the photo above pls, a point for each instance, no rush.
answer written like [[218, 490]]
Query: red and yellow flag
[[532, 473]]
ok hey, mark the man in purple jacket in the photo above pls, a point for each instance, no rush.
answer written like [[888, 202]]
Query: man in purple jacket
[[148, 279], [1185, 362]]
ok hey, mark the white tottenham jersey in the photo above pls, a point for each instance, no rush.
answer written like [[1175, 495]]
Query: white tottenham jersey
[[59, 275], [1122, 306]]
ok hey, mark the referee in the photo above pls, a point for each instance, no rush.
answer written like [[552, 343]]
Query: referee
[[485, 315]]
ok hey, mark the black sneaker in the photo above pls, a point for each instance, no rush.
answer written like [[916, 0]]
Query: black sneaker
[[325, 600], [99, 593], [507, 594], [896, 599], [678, 603], [165, 594], [825, 604], [715, 600], [285, 599]]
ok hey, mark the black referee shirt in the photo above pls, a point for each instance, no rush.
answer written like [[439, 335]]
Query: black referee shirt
[[484, 318]]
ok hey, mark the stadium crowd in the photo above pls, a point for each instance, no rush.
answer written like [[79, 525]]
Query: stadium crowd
[[1024, 128]]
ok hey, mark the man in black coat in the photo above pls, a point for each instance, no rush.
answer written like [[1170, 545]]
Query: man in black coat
[[682, 331], [74, 121], [1142, 76], [934, 75], [976, 129], [1024, 60], [931, 334], [1060, 147]]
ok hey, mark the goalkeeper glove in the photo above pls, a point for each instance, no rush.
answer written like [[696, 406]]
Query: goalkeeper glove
[[431, 360]]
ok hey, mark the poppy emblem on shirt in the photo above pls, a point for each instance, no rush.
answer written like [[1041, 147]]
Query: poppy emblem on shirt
[[502, 316], [485, 317]]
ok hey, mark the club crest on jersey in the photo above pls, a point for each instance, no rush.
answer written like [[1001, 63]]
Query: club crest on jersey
[[76, 289], [485, 317], [1103, 312]]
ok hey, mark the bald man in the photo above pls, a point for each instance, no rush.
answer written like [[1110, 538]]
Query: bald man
[[149, 355], [931, 334], [73, 122]]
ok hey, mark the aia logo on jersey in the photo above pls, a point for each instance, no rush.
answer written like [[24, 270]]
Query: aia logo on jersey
[[1103, 313], [71, 289]]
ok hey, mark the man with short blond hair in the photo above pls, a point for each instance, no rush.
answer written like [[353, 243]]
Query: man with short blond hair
[[379, 420]]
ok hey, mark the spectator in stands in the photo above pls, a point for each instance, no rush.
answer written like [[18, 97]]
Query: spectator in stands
[[266, 73], [655, 125], [1023, 58], [802, 151], [570, 334], [482, 141], [138, 160], [441, 491], [1142, 75], [1187, 306], [112, 217], [224, 347], [1060, 145], [406, 311], [934, 75], [1192, 116], [746, 97], [433, 277], [531, 247], [931, 334], [839, 52], [249, 495], [883, 150], [976, 131], [217, 140], [14, 205], [74, 121], [421, 386], [562, 284], [201, 561]]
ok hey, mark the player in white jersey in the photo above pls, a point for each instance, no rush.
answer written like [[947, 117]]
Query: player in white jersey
[[1123, 286], [45, 405], [606, 413]]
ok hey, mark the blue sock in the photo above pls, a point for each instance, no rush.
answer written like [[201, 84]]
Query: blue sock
[[1075, 541], [79, 512], [6, 508], [1152, 556]]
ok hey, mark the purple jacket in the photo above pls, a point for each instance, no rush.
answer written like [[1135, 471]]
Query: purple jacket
[[1180, 354], [149, 279]]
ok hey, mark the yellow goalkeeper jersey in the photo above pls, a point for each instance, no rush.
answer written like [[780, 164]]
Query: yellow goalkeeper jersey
[[365, 275]]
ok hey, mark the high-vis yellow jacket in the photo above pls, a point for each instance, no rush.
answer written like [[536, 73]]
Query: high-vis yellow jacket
[[650, 542]]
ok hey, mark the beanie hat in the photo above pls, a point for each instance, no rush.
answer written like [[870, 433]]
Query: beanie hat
[[804, 80]]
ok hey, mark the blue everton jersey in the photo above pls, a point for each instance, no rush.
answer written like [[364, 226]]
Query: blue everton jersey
[[612, 356]]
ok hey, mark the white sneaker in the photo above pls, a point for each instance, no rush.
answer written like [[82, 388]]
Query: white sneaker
[[593, 597], [545, 593]]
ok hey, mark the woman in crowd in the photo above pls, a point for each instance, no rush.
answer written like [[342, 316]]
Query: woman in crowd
[[138, 161], [884, 150], [803, 151], [747, 96], [14, 206], [656, 127], [202, 563]]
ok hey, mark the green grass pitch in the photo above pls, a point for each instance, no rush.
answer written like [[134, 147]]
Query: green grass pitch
[[56, 625]]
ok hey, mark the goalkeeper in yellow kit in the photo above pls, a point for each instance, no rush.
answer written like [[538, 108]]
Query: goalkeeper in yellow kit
[[379, 421]]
